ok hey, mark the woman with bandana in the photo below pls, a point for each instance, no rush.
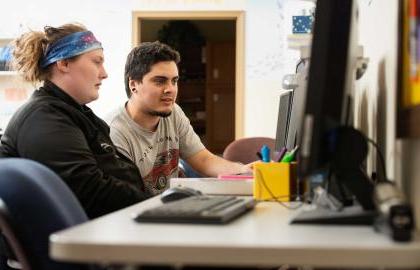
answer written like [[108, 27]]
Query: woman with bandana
[[57, 129]]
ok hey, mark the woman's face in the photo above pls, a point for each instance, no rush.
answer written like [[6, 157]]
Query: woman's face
[[86, 73]]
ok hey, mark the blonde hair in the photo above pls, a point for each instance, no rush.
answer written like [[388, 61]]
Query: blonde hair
[[29, 49]]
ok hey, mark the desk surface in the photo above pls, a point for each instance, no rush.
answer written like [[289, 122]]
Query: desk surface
[[262, 237]]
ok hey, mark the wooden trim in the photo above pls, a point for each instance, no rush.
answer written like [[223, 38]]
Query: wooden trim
[[409, 122], [239, 17], [135, 40], [188, 15], [240, 76]]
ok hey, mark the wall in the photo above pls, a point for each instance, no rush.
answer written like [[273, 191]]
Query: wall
[[379, 36], [267, 56], [408, 172], [376, 91]]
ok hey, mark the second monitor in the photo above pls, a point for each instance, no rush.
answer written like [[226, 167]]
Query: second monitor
[[291, 104]]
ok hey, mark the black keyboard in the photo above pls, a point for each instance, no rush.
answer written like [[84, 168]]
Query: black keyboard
[[199, 209]]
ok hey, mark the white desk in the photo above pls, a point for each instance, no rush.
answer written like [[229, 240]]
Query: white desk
[[263, 237]]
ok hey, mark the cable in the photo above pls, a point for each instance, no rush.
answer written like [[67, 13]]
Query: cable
[[381, 159], [300, 62]]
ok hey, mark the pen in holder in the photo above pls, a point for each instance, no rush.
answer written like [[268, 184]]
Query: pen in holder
[[275, 181]]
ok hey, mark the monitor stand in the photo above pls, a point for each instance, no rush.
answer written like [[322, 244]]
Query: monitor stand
[[349, 215], [346, 177]]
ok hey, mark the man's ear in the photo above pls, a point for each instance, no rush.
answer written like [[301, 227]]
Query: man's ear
[[63, 65], [133, 85]]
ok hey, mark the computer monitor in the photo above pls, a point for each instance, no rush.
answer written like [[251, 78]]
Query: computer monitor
[[328, 141], [283, 119], [291, 102]]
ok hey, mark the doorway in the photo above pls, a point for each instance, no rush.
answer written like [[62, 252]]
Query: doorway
[[211, 68]]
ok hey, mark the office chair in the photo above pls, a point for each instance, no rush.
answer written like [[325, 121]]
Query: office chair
[[187, 170], [245, 150], [35, 202]]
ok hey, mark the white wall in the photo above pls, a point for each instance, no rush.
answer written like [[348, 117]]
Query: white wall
[[376, 91], [267, 57], [379, 35]]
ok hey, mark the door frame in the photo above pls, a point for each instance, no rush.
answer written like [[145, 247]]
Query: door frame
[[238, 17]]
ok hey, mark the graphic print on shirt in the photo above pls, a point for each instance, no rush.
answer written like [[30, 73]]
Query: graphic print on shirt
[[165, 166]]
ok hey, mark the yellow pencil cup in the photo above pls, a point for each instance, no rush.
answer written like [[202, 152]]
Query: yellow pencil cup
[[275, 181]]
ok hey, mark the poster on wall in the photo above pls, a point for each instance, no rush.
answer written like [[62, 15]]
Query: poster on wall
[[5, 57], [13, 90], [11, 98]]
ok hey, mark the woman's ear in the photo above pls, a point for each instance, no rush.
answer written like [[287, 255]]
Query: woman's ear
[[63, 65]]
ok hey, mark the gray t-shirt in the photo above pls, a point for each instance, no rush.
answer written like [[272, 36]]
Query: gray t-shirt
[[156, 153]]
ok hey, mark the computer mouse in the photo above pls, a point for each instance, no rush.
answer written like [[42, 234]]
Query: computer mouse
[[177, 193]]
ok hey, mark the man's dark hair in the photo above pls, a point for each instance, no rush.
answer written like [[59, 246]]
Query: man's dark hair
[[143, 57]]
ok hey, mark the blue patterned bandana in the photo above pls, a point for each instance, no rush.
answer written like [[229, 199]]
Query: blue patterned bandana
[[69, 46]]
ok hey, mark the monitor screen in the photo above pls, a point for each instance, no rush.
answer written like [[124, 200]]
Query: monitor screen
[[328, 141], [327, 103], [283, 119], [291, 102]]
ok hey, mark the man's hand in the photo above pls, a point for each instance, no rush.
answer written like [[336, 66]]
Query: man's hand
[[209, 164], [247, 168]]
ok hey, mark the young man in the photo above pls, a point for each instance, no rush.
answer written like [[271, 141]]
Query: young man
[[151, 129]]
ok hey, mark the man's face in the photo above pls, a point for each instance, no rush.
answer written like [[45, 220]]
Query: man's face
[[157, 92]]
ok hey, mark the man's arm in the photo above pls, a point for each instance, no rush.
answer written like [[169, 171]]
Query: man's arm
[[209, 164], [203, 161]]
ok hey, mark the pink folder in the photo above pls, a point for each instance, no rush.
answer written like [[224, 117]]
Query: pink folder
[[235, 176]]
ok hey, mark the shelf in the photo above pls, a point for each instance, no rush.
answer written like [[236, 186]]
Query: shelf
[[301, 42], [296, 41], [8, 73], [5, 41]]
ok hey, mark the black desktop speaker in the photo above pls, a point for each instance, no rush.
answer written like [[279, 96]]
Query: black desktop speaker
[[395, 212]]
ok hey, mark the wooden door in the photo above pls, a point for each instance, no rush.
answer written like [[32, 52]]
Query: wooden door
[[220, 95]]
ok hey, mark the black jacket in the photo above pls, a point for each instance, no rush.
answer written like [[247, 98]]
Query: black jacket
[[56, 131]]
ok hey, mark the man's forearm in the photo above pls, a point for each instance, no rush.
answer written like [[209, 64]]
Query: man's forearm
[[211, 165], [217, 165]]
